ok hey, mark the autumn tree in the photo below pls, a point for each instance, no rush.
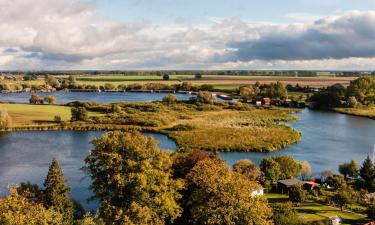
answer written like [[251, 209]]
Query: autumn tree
[[35, 99], [206, 97], [5, 119], [247, 168], [170, 98], [79, 114], [306, 170], [221, 196], [248, 92], [56, 192], [132, 178], [18, 209]]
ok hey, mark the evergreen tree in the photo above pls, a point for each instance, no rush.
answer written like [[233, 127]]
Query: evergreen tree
[[367, 173], [57, 192]]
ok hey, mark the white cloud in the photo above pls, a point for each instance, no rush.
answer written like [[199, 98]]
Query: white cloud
[[67, 34]]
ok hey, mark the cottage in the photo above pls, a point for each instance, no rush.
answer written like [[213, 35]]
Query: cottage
[[310, 185], [285, 185], [257, 192], [334, 220]]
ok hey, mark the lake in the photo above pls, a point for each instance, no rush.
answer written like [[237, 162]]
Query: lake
[[328, 139], [105, 97]]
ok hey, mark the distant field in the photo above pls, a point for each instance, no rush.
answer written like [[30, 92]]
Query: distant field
[[221, 82], [24, 114], [312, 211]]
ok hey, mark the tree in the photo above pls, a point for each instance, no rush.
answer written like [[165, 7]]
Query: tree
[[349, 170], [343, 196], [132, 178], [371, 212], [277, 90], [50, 99], [352, 102], [165, 77], [296, 194], [248, 92], [220, 196], [289, 167], [367, 173], [72, 79], [270, 169], [286, 214], [5, 119], [170, 98], [52, 81], [56, 192], [17, 209], [363, 89], [198, 76], [247, 168], [79, 114], [306, 170], [206, 97], [35, 99]]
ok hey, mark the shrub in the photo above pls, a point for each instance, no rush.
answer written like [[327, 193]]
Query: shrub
[[206, 97], [165, 77], [79, 113], [198, 76], [352, 102], [297, 194], [170, 98], [371, 211], [57, 119], [35, 99], [5, 119], [50, 99]]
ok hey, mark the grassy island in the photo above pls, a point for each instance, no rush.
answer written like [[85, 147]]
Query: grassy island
[[213, 127]]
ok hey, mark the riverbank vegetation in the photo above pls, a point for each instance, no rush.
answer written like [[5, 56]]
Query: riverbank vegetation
[[356, 99], [218, 126]]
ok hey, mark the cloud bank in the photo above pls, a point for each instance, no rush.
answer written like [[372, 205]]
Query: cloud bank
[[66, 34]]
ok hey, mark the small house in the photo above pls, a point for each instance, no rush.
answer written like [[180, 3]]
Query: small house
[[285, 185], [266, 101], [257, 192], [334, 220]]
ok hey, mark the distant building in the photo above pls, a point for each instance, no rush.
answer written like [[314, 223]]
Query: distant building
[[257, 192], [285, 185], [334, 220]]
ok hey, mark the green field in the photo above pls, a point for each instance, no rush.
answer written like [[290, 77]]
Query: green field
[[313, 211], [25, 114]]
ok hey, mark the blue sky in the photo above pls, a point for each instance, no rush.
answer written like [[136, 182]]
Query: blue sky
[[187, 34], [193, 11]]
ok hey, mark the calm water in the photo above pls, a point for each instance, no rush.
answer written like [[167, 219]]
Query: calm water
[[65, 97], [328, 139]]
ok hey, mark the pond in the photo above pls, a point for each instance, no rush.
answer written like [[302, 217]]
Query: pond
[[105, 97], [328, 139]]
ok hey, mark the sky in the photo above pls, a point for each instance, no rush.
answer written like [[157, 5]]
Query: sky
[[187, 34]]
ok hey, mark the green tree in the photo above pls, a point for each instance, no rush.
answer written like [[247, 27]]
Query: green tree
[[132, 178], [343, 196], [277, 90], [18, 209], [220, 196], [248, 92], [247, 168], [5, 119], [349, 170], [286, 214], [270, 169], [50, 99], [371, 212], [363, 89], [79, 114], [289, 167], [72, 79], [165, 77], [52, 81], [56, 192], [297, 194], [367, 173], [198, 76]]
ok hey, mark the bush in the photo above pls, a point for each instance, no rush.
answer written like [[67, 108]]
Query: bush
[[57, 119], [170, 98], [165, 77], [352, 102], [50, 99], [297, 194], [5, 119], [198, 76], [79, 113], [206, 97]]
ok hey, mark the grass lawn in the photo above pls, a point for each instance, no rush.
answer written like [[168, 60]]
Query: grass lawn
[[25, 114], [365, 111], [312, 211]]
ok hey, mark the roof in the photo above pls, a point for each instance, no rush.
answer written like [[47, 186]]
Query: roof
[[290, 182]]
